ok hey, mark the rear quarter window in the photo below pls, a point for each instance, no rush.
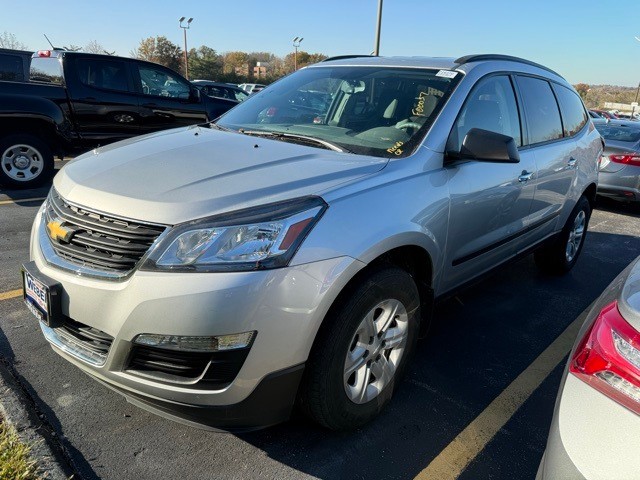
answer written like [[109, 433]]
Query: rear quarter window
[[541, 110], [573, 115]]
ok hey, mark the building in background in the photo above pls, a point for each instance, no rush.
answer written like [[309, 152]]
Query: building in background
[[260, 70]]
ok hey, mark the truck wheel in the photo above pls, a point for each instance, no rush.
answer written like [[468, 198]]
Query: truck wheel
[[560, 257], [25, 161], [361, 353]]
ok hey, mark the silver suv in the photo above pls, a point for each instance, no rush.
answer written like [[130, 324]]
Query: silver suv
[[291, 252]]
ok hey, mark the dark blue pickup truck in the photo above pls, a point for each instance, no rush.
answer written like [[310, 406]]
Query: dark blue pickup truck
[[74, 102]]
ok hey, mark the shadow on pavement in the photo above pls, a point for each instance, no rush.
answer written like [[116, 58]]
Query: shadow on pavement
[[481, 340], [71, 457], [19, 195], [623, 208]]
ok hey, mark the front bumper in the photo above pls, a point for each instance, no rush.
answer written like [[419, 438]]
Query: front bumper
[[284, 306]]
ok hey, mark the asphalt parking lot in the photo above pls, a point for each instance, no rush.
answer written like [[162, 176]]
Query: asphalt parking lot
[[445, 417]]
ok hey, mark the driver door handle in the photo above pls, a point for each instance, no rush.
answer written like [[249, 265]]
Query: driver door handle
[[572, 161], [525, 176]]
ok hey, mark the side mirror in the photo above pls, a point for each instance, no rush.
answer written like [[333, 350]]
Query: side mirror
[[486, 146], [195, 96]]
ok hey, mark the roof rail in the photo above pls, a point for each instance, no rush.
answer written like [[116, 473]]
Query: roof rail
[[344, 57], [507, 58]]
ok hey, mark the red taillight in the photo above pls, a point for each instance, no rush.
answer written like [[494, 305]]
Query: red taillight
[[44, 53], [608, 358], [626, 159]]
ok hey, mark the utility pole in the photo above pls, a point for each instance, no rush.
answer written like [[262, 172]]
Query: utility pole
[[635, 102], [296, 44], [186, 60], [376, 50]]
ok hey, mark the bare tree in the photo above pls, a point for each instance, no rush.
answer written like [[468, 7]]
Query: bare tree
[[72, 48], [9, 40], [94, 47]]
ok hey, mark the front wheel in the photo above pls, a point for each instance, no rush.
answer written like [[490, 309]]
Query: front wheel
[[362, 351], [25, 161], [560, 257]]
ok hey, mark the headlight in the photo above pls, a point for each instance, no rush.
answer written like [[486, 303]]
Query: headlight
[[250, 239]]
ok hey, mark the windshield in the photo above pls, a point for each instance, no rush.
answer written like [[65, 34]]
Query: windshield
[[368, 110], [620, 133]]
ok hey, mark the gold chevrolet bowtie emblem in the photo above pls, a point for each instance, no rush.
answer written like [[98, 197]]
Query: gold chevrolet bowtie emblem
[[58, 232]]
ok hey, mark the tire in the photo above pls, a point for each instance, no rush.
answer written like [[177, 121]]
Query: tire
[[560, 256], [329, 394], [25, 161]]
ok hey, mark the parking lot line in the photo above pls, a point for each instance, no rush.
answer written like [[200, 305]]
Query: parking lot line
[[10, 294], [18, 200], [452, 461]]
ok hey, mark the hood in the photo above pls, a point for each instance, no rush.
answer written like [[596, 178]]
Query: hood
[[180, 175]]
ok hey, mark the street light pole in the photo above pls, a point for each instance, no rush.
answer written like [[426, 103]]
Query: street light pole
[[186, 60], [296, 44], [376, 50]]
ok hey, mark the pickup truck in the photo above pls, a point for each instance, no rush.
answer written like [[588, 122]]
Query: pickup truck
[[74, 102]]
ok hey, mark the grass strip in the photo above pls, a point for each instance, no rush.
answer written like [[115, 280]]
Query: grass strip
[[15, 462]]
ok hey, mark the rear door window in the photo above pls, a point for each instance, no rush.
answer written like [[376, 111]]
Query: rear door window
[[104, 74], [573, 115], [541, 110]]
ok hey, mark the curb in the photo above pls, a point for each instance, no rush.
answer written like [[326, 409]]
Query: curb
[[31, 430]]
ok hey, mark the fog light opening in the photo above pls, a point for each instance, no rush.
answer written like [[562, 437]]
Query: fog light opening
[[216, 343]]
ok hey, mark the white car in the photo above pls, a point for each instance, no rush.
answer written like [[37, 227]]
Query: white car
[[595, 433]]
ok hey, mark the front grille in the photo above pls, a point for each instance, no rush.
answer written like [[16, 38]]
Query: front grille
[[99, 241], [206, 370]]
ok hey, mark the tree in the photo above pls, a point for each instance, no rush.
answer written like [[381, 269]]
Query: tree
[[72, 48], [233, 60], [160, 50], [94, 47], [304, 59], [204, 63], [582, 89], [9, 40]]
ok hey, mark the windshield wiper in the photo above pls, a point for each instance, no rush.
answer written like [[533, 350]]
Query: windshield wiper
[[293, 136], [219, 127]]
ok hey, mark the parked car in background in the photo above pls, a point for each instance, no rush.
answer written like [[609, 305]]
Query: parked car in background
[[14, 65], [595, 432], [605, 114], [619, 166], [626, 116], [251, 87], [594, 114], [76, 101], [221, 90], [267, 260]]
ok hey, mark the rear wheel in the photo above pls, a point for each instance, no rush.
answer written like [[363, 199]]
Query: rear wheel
[[25, 161], [362, 351], [560, 257]]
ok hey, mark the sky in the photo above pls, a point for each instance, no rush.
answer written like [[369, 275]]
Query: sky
[[584, 40]]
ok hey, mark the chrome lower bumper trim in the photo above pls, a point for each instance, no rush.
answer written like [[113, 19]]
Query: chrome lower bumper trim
[[73, 347]]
